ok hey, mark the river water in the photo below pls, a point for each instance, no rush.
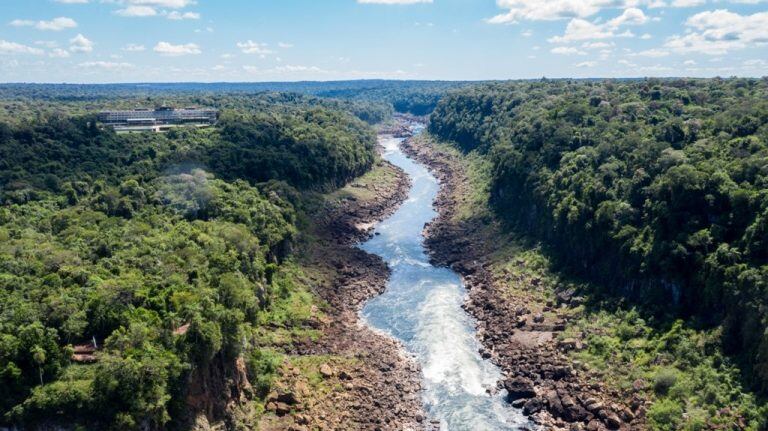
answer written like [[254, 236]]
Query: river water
[[421, 307]]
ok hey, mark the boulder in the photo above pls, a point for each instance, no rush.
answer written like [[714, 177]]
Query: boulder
[[518, 388], [532, 406], [326, 371]]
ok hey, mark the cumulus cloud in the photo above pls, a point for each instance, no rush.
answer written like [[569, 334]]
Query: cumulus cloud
[[105, 65], [168, 49], [688, 3], [59, 53], [653, 53], [251, 47], [136, 11], [175, 15], [80, 43], [7, 47], [719, 31], [537, 10], [580, 29], [134, 47], [56, 24], [567, 50]]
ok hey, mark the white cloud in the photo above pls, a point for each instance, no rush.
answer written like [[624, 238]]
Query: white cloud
[[587, 64], [393, 1], [7, 47], [688, 3], [537, 10], [719, 31], [567, 50], [646, 36], [105, 65], [80, 43], [180, 16], [59, 53], [133, 47], [71, 1], [581, 29], [56, 24], [631, 16], [47, 43], [689, 63], [287, 69], [596, 45], [251, 47], [165, 48], [136, 11], [285, 45], [22, 23], [653, 53]]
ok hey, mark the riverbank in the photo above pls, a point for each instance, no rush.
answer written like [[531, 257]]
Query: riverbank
[[348, 376], [520, 315]]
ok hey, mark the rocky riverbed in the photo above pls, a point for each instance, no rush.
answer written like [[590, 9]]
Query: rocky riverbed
[[373, 385], [519, 333]]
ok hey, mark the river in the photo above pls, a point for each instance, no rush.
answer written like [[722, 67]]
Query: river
[[421, 307]]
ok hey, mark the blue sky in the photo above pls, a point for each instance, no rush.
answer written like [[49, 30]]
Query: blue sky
[[289, 40]]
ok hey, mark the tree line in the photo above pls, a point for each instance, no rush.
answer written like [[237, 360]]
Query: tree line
[[170, 252], [655, 189]]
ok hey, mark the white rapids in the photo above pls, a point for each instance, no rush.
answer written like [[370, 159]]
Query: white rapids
[[421, 307]]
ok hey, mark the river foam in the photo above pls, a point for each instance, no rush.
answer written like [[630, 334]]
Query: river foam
[[421, 307]]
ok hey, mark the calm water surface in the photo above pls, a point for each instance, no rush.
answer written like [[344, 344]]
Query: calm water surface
[[422, 308]]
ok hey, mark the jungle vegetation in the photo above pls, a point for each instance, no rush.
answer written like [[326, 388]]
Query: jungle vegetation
[[656, 193], [170, 252]]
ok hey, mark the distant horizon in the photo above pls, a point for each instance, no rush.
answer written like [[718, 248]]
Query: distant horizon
[[128, 41], [620, 78]]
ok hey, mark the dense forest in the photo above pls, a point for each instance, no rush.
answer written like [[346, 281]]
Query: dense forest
[[170, 253], [656, 190], [372, 101]]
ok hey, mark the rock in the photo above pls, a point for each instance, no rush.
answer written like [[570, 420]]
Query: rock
[[627, 415], [561, 372], [565, 296], [553, 401], [287, 398], [326, 371], [611, 419], [594, 425], [577, 300], [518, 404], [518, 388], [532, 406], [638, 385], [570, 344], [520, 321], [594, 405], [538, 318]]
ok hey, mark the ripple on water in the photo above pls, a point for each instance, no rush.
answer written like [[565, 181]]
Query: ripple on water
[[421, 307]]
